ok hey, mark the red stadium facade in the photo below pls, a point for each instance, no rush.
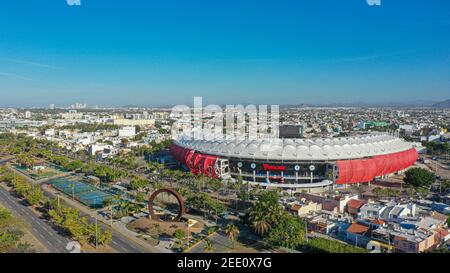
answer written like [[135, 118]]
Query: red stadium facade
[[365, 170], [300, 173], [196, 162]]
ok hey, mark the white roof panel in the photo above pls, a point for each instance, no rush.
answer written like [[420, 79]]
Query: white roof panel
[[300, 149]]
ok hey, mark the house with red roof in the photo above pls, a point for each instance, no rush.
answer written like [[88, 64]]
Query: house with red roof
[[353, 206], [358, 234]]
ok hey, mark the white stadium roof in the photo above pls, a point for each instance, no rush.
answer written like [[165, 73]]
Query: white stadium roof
[[299, 149]]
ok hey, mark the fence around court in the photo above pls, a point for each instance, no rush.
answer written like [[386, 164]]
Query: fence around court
[[81, 191], [35, 176]]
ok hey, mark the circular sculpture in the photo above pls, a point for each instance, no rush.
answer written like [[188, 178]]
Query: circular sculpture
[[169, 191]]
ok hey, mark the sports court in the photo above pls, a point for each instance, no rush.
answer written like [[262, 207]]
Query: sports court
[[81, 191]]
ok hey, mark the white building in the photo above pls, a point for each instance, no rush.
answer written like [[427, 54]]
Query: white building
[[93, 149], [391, 212], [72, 114], [50, 132], [128, 131], [86, 140], [133, 122], [371, 211]]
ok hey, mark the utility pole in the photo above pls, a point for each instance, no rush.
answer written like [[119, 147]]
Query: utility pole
[[96, 233], [440, 180], [306, 231], [111, 223], [217, 216], [389, 242], [248, 190], [188, 241]]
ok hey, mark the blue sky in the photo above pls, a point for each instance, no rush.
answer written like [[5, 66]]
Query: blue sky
[[111, 52]]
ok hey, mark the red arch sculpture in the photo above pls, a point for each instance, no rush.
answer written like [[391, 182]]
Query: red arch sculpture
[[172, 192]]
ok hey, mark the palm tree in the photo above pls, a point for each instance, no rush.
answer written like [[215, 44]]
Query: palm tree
[[261, 226], [208, 246], [109, 204], [232, 232], [260, 217], [158, 185]]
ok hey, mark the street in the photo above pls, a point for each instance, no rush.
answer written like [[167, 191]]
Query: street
[[218, 240], [54, 242], [119, 242]]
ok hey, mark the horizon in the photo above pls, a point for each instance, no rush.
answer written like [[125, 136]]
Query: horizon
[[265, 52], [359, 104]]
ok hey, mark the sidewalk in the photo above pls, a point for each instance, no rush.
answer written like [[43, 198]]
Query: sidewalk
[[124, 229], [117, 228]]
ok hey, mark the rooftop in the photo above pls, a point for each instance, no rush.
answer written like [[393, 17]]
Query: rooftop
[[298, 149], [355, 203], [357, 228]]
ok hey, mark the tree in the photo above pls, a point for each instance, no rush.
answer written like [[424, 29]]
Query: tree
[[138, 183], [124, 141], [77, 227], [140, 197], [103, 237], [208, 246], [259, 222], [109, 203], [22, 187], [11, 233], [265, 213], [232, 232], [289, 232], [35, 196], [203, 202], [434, 147], [418, 177], [75, 165], [331, 246], [158, 185], [26, 160], [179, 234], [445, 185]]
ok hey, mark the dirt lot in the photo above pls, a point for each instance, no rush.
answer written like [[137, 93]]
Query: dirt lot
[[156, 228]]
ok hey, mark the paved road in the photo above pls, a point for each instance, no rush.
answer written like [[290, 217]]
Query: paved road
[[54, 242], [4, 160], [219, 241], [119, 242]]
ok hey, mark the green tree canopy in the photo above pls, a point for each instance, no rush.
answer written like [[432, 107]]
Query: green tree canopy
[[418, 177], [289, 232]]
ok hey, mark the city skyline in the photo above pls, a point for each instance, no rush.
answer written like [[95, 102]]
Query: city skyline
[[159, 54]]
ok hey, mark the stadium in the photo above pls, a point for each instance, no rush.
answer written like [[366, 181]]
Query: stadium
[[311, 163]]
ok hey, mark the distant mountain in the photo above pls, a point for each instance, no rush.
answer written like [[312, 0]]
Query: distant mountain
[[349, 104], [417, 103], [131, 106], [442, 104]]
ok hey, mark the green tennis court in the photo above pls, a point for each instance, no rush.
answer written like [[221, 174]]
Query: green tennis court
[[81, 191]]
